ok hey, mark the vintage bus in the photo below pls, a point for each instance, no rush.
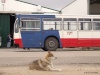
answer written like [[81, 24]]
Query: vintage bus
[[50, 32]]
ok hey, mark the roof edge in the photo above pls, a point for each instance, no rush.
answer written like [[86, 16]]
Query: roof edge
[[36, 5], [68, 5]]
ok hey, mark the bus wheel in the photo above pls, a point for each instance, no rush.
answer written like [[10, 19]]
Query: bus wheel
[[51, 43]]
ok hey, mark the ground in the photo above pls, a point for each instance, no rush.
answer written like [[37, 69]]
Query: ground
[[15, 62], [68, 69]]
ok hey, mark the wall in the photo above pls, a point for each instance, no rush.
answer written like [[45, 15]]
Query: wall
[[4, 28], [78, 7]]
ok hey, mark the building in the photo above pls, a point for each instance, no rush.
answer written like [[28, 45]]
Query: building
[[8, 9], [74, 7]]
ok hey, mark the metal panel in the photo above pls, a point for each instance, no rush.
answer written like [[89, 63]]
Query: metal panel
[[4, 27]]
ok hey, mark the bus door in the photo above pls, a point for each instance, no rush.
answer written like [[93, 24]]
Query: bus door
[[96, 32], [85, 37], [31, 32], [70, 32]]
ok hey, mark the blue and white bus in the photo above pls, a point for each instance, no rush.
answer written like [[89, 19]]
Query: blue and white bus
[[50, 32]]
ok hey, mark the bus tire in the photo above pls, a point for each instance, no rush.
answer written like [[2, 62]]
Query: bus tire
[[51, 43]]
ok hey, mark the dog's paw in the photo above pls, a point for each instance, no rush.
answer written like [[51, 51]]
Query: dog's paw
[[59, 69]]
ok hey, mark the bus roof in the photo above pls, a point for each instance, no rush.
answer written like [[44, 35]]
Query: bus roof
[[62, 15]]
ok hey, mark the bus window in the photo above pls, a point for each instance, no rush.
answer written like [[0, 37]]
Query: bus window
[[85, 24], [96, 24], [70, 23], [30, 25], [52, 24], [16, 26]]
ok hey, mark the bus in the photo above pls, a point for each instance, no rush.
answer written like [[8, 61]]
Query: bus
[[50, 32]]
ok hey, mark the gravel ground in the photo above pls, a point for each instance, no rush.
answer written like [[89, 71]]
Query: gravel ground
[[69, 69]]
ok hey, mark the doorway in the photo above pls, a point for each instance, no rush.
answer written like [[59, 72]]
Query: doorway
[[6, 27], [12, 20]]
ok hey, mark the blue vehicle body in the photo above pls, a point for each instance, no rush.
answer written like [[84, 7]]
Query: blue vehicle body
[[36, 39]]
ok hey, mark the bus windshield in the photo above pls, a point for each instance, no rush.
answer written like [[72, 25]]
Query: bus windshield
[[16, 26]]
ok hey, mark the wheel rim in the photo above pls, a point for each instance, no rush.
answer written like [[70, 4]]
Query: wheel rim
[[51, 44]]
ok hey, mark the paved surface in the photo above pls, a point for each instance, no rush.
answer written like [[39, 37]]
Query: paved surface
[[22, 57], [71, 61]]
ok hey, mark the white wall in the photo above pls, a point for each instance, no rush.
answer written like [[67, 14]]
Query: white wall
[[16, 6], [78, 7]]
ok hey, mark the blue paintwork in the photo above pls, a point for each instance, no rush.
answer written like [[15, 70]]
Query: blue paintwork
[[35, 39], [31, 38]]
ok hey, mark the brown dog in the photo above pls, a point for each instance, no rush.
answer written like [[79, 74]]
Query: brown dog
[[44, 64]]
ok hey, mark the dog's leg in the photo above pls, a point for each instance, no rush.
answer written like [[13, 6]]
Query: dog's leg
[[58, 69], [54, 69]]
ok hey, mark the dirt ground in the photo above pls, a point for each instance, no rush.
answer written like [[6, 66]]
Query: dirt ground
[[70, 69]]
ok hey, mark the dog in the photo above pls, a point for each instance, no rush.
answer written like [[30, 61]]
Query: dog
[[45, 63]]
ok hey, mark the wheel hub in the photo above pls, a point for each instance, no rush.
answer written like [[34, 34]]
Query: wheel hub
[[51, 44]]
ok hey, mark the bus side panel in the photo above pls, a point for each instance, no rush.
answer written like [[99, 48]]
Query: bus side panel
[[69, 39], [18, 42], [65, 42], [31, 39], [96, 38], [51, 33], [85, 39], [18, 39], [69, 42]]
